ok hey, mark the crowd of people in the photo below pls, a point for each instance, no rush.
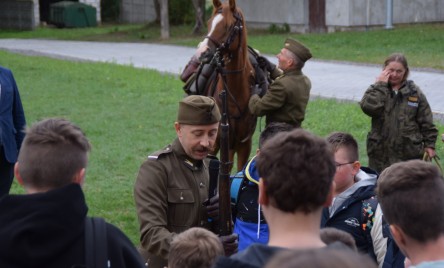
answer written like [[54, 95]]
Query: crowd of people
[[301, 201]]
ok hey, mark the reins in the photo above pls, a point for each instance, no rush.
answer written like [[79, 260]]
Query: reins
[[218, 59]]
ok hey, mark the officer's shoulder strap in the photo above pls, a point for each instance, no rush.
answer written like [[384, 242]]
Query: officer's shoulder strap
[[158, 154]]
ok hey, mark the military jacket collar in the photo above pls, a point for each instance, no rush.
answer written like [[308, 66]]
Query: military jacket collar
[[292, 72], [177, 148]]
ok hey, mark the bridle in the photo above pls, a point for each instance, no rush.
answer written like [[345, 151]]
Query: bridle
[[235, 31], [217, 58]]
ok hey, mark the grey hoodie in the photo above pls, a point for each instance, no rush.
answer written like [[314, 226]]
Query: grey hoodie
[[362, 179]]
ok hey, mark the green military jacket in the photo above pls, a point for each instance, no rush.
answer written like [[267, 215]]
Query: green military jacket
[[169, 192], [286, 98], [402, 124]]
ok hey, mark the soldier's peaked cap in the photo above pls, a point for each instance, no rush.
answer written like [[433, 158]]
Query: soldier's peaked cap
[[298, 49], [198, 110]]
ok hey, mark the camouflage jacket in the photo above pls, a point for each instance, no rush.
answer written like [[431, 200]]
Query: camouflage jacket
[[286, 98], [402, 123]]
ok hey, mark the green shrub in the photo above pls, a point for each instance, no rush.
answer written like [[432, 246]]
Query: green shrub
[[181, 12], [277, 29]]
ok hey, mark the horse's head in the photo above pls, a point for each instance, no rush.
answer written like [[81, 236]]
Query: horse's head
[[226, 29]]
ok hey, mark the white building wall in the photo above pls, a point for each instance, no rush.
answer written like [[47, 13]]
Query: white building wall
[[340, 14], [96, 4], [371, 13], [263, 13], [138, 11]]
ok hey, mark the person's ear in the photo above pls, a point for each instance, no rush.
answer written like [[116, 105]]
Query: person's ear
[[262, 198], [398, 235], [330, 195], [177, 128], [17, 174], [79, 177], [356, 167]]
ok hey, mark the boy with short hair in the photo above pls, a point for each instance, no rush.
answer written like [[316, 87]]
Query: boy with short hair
[[411, 195], [194, 248], [250, 223], [46, 227], [296, 170]]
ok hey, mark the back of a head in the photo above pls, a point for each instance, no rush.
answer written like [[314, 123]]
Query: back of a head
[[321, 258], [411, 195], [194, 248], [273, 129], [52, 152], [331, 235], [297, 169]]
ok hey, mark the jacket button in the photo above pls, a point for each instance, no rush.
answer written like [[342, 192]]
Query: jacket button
[[201, 185]]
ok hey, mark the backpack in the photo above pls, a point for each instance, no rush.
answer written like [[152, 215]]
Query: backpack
[[368, 211], [96, 246]]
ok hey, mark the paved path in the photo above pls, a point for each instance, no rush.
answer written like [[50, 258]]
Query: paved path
[[329, 79]]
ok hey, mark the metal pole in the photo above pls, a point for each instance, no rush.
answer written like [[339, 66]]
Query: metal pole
[[389, 21]]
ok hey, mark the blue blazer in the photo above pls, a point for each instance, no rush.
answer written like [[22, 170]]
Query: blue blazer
[[12, 116]]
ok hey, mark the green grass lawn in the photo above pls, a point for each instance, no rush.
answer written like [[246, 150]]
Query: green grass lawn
[[128, 113]]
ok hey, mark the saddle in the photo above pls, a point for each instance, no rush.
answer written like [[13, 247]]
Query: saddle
[[199, 73]]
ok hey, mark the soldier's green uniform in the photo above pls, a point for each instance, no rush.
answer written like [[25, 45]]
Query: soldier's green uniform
[[169, 193], [285, 100], [287, 96], [402, 124], [171, 187]]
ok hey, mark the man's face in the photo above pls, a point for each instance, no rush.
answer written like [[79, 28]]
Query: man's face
[[346, 170], [284, 59], [197, 140]]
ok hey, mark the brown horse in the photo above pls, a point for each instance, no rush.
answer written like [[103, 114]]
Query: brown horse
[[227, 38]]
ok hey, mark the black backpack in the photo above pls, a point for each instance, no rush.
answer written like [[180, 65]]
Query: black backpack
[[96, 246]]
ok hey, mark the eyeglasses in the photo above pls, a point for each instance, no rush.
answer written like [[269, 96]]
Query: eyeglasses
[[338, 165]]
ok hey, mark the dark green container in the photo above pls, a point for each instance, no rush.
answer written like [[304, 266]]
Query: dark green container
[[73, 15]]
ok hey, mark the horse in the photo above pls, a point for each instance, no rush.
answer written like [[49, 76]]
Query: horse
[[226, 41]]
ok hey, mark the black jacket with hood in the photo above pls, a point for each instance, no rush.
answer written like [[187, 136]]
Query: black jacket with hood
[[48, 230], [346, 212]]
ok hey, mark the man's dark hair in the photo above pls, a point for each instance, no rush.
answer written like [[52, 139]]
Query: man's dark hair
[[344, 140], [297, 169], [271, 130], [411, 195], [52, 152]]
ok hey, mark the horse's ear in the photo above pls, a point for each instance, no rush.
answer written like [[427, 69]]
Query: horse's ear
[[216, 4], [233, 5]]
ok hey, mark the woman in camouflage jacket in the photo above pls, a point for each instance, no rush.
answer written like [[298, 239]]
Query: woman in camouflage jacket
[[402, 121]]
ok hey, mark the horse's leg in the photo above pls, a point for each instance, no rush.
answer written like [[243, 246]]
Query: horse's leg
[[243, 153], [231, 155]]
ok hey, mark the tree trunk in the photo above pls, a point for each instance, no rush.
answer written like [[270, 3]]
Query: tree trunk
[[157, 8], [164, 20], [199, 8]]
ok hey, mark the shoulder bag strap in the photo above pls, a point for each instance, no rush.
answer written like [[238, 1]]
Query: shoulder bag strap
[[96, 246]]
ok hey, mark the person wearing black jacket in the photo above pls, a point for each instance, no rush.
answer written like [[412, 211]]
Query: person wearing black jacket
[[354, 206], [46, 226]]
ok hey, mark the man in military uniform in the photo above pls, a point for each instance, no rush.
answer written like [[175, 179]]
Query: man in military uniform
[[287, 96], [172, 184]]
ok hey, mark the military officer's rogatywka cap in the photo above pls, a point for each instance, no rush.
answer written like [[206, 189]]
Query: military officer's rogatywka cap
[[198, 110], [298, 49]]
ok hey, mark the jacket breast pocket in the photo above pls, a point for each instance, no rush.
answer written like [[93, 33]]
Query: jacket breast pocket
[[180, 208]]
